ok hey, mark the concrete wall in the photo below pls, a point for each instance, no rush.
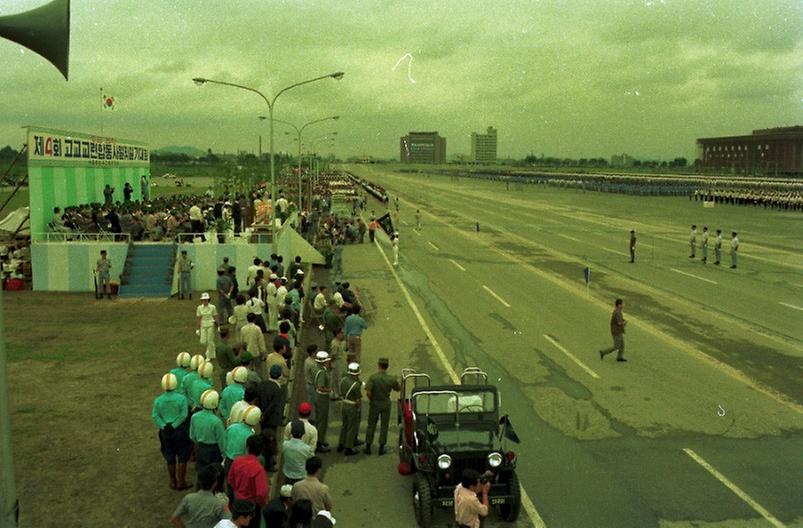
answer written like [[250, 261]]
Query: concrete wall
[[69, 266]]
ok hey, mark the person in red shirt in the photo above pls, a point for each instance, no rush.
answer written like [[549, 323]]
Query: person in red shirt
[[248, 479]]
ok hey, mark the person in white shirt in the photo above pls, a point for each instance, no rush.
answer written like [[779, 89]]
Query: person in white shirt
[[734, 249], [310, 431], [252, 271], [197, 220], [281, 293], [395, 243], [270, 300], [206, 324], [256, 306]]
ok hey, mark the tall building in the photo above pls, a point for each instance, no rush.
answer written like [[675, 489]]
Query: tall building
[[767, 151], [483, 146], [422, 147]]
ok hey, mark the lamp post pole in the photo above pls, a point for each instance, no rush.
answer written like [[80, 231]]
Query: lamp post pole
[[271, 103]]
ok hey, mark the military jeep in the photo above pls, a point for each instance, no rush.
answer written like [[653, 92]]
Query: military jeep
[[445, 429]]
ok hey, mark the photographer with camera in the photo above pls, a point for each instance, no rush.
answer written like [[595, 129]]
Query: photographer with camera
[[467, 506]]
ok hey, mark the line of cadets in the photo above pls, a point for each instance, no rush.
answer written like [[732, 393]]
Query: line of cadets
[[734, 246]]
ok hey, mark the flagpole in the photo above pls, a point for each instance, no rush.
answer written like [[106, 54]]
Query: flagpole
[[101, 112]]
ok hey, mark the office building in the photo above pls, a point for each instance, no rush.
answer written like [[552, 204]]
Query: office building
[[483, 146], [767, 151], [422, 147]]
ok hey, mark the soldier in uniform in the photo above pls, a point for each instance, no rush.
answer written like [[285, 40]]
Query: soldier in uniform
[[632, 246], [718, 247], [705, 245], [322, 382], [351, 390], [693, 241], [734, 249], [102, 269], [185, 266], [378, 390]]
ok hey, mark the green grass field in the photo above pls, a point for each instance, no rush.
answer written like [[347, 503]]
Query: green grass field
[[83, 373]]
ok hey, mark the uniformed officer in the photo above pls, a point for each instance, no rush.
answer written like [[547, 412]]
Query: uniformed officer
[[705, 245], [693, 241], [182, 366], [378, 390], [718, 247], [322, 381], [351, 389], [632, 246], [234, 392], [169, 413], [206, 430], [102, 268], [734, 249], [185, 266]]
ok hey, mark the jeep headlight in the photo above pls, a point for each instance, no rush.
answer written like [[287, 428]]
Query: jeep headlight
[[495, 459], [444, 461]]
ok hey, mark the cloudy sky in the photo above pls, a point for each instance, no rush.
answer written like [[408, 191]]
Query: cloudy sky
[[563, 78]]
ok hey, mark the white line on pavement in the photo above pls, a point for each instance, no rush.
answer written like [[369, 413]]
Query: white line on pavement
[[529, 507], [791, 306], [567, 237], [433, 245], [501, 300], [571, 356], [461, 268], [614, 251], [417, 232], [734, 488], [405, 223], [693, 276]]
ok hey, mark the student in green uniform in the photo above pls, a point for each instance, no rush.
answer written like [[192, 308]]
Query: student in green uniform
[[169, 414], [206, 430], [234, 392], [202, 384], [378, 390], [182, 366], [351, 389], [322, 382], [238, 433], [189, 378]]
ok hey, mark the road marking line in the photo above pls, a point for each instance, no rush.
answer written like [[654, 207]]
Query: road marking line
[[529, 507], [567, 237], [501, 300], [433, 245], [405, 223], [693, 276], [792, 306], [734, 488], [417, 232], [614, 251], [461, 268], [571, 356]]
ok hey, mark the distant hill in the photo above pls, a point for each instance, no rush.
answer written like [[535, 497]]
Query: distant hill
[[189, 151]]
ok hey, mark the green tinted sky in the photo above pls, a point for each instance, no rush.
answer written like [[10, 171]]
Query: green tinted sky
[[563, 78]]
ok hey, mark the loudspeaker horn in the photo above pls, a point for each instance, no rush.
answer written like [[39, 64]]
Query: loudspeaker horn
[[44, 30]]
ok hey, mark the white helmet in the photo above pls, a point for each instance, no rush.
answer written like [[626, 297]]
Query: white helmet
[[196, 361], [204, 296], [183, 359], [210, 399], [236, 412], [229, 378], [321, 356], [354, 368], [251, 415], [169, 382], [206, 370], [240, 374]]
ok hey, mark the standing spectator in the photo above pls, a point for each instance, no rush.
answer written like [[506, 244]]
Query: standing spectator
[[256, 306], [312, 489], [351, 388], [734, 249], [243, 513], [206, 323], [323, 388], [295, 454], [394, 242], [248, 479], [378, 390], [203, 508], [418, 219], [354, 326], [467, 506], [271, 397], [237, 214], [617, 331], [277, 511], [693, 241], [127, 192], [318, 305], [144, 188], [185, 266], [310, 368], [253, 339], [239, 316], [206, 430], [310, 431], [337, 355], [718, 247], [361, 229], [169, 414], [293, 268], [252, 272], [278, 359], [197, 221], [332, 320], [705, 245], [632, 246], [373, 225], [102, 268], [108, 192], [224, 289]]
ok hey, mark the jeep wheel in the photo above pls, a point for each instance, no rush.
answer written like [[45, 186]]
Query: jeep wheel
[[510, 512], [422, 501]]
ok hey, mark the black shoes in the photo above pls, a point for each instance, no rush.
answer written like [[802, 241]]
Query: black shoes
[[351, 452], [621, 359], [358, 443], [321, 448]]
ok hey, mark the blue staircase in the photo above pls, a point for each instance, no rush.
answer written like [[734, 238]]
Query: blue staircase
[[148, 271]]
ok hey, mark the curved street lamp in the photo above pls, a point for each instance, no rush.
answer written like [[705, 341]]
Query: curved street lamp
[[200, 81]]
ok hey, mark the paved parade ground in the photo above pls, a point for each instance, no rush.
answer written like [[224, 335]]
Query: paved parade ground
[[701, 427]]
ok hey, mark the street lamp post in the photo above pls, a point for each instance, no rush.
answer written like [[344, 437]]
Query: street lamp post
[[299, 130], [271, 103], [324, 137]]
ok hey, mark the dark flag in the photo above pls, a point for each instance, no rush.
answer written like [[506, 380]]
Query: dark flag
[[509, 432], [387, 223]]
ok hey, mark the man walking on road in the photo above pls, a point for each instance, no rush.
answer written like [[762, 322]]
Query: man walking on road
[[378, 390], [693, 241], [617, 331], [632, 246], [734, 249]]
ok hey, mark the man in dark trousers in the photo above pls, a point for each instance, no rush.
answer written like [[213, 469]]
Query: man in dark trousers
[[632, 246], [277, 511], [617, 331], [378, 390], [271, 396]]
